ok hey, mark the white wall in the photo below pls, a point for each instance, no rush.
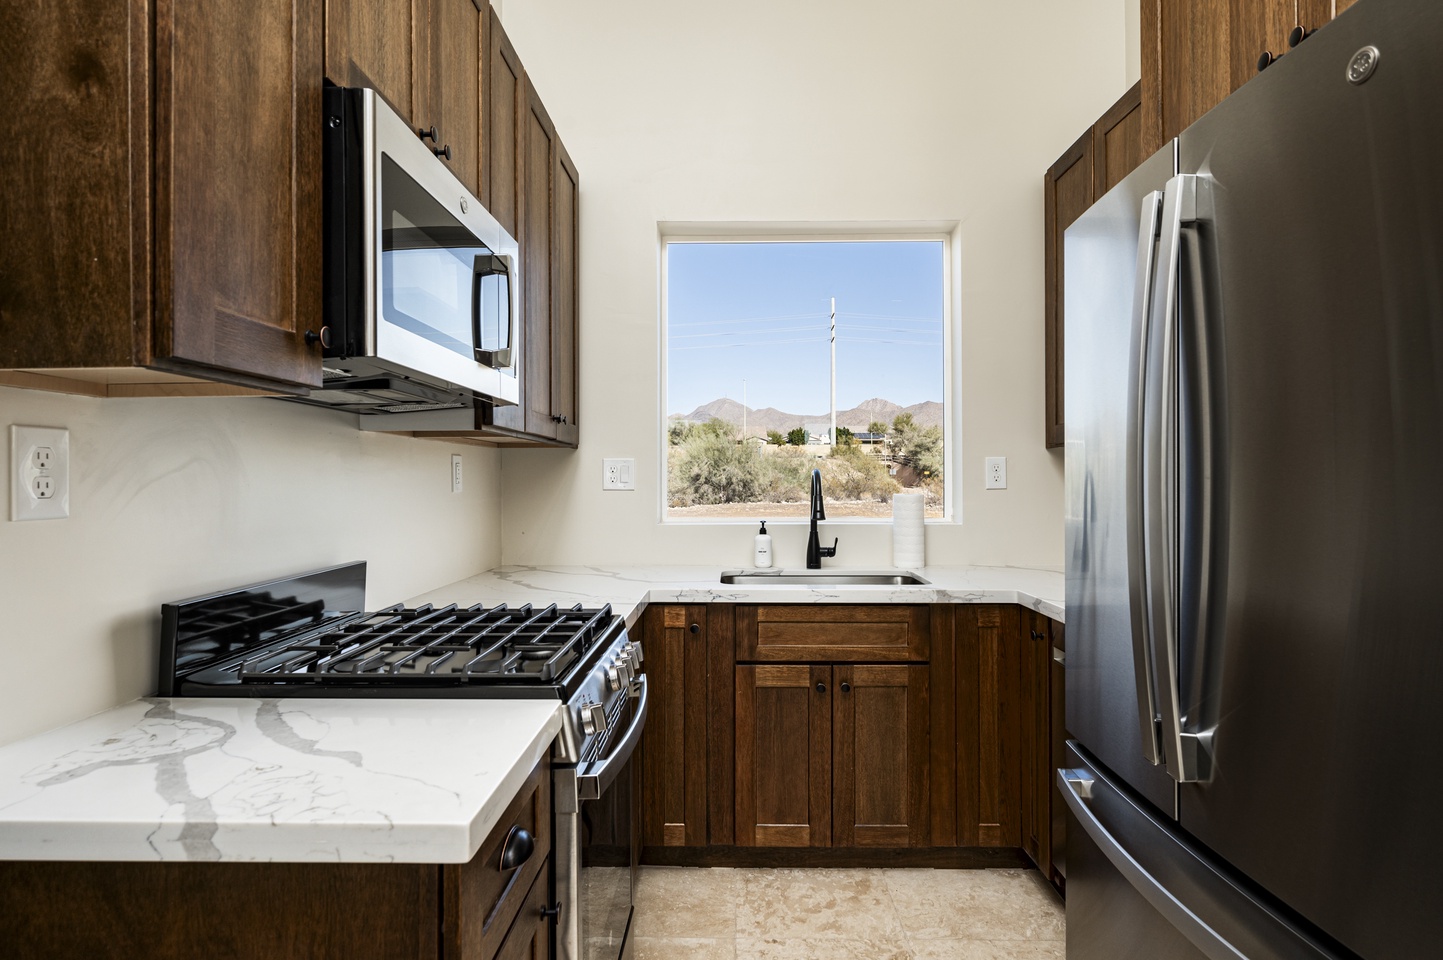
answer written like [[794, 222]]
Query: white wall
[[177, 497], [843, 110]]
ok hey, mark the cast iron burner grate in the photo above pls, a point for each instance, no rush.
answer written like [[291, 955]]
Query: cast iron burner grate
[[429, 645]]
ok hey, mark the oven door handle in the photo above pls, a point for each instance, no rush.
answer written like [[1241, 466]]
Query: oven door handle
[[602, 774]]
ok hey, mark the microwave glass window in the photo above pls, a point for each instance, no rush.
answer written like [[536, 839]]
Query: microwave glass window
[[438, 281]]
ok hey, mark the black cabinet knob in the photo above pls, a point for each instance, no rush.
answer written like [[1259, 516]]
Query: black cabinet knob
[[558, 418], [517, 849], [821, 688], [552, 911], [323, 338], [427, 133], [1298, 34], [1265, 61], [846, 687], [695, 628], [443, 152]]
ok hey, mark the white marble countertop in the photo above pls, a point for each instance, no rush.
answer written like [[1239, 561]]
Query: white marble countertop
[[630, 589], [409, 781]]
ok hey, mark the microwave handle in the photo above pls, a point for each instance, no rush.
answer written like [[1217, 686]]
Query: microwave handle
[[488, 265]]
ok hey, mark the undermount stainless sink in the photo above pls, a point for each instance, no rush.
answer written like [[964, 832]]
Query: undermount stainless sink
[[825, 578]]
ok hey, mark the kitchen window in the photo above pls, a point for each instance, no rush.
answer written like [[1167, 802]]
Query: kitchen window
[[787, 355]]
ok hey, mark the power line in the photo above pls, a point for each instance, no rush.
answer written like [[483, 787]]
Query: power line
[[712, 323], [735, 346], [742, 333]]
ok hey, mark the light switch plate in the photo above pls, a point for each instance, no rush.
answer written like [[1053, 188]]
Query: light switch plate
[[39, 473], [618, 474], [456, 472]]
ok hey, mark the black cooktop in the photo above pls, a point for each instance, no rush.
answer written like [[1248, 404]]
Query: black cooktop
[[310, 636]]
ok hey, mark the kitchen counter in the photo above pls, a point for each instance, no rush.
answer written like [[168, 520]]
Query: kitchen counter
[[630, 589], [410, 781]]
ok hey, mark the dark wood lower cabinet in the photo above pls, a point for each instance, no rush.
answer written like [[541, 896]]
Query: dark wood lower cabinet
[[784, 755], [53, 910], [879, 755]]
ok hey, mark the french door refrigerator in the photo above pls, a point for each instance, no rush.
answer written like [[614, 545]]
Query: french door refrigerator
[[1254, 448]]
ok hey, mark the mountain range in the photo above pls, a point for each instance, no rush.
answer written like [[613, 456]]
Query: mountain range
[[759, 421]]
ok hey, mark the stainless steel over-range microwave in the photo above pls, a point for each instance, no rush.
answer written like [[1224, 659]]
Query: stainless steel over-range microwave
[[422, 286]]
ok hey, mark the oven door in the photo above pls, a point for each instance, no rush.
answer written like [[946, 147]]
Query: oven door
[[604, 835]]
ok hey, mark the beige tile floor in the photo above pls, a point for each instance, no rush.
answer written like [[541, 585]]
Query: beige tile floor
[[830, 914]]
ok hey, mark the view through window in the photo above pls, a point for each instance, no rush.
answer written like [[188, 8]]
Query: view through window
[[789, 356]]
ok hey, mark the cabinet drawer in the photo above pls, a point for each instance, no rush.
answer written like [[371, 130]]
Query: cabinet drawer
[[836, 633], [480, 901]]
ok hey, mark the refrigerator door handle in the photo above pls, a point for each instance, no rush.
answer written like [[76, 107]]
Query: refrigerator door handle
[[1077, 789], [1138, 586], [1160, 470]]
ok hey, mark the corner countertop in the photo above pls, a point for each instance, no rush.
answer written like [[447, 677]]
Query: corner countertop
[[630, 589], [402, 781]]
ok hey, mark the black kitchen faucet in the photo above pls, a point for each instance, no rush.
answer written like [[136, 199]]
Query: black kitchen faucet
[[815, 551]]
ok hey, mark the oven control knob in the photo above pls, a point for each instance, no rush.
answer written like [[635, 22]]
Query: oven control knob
[[593, 718], [613, 676], [635, 649]]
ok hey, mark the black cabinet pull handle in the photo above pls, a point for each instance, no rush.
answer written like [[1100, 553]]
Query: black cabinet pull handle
[[552, 911], [821, 688], [1265, 61], [558, 418], [1298, 34], [442, 152], [846, 687], [695, 628], [323, 338], [427, 133], [517, 849]]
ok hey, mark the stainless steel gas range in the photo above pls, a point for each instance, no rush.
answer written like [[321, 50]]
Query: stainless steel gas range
[[311, 636]]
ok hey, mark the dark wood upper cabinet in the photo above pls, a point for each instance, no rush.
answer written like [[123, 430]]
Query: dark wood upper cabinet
[[784, 755], [1117, 142], [674, 745], [169, 200], [449, 67], [879, 755], [503, 99], [373, 43], [566, 186], [1068, 190]]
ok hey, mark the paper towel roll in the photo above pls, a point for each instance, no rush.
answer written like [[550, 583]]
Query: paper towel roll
[[909, 530]]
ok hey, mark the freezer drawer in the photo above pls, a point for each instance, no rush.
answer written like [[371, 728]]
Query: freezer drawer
[[1136, 890]]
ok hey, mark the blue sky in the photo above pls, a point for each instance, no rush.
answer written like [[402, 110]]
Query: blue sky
[[759, 312]]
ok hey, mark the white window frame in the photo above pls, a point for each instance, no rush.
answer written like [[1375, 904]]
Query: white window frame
[[946, 232]]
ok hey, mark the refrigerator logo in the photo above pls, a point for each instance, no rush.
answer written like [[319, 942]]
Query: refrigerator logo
[[1361, 67]]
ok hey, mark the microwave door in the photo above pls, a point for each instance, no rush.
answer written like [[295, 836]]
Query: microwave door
[[491, 310]]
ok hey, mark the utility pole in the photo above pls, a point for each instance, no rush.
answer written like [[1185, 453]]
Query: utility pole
[[744, 411], [834, 371]]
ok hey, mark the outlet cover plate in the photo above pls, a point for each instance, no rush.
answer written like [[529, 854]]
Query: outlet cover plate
[[39, 460], [618, 474], [996, 473]]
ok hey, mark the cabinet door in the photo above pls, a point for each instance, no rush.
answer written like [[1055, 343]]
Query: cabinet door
[[783, 756], [988, 727], [1057, 690], [538, 163], [879, 755], [1186, 67], [1035, 723], [372, 43], [1117, 143], [1256, 26], [565, 186], [238, 188], [1067, 192], [531, 934], [502, 101], [449, 71], [674, 764]]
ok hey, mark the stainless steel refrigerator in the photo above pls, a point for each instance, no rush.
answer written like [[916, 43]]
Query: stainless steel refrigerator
[[1254, 444]]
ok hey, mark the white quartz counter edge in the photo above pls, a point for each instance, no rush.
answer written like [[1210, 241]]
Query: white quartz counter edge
[[403, 781], [630, 589]]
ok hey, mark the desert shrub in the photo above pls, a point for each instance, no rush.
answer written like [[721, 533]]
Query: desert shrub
[[775, 438], [851, 473]]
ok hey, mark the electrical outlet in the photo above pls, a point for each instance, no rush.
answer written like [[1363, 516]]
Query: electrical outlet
[[996, 473], [455, 473], [40, 481], [618, 474]]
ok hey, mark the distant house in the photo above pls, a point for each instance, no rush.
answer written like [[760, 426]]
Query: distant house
[[870, 438], [819, 432]]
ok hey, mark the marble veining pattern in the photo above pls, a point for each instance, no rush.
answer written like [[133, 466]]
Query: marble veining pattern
[[630, 589], [846, 914], [417, 781]]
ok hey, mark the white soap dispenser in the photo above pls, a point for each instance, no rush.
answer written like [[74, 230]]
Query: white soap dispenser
[[762, 551]]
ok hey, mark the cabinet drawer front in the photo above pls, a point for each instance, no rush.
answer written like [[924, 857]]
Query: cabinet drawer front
[[480, 901], [530, 935], [845, 634]]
